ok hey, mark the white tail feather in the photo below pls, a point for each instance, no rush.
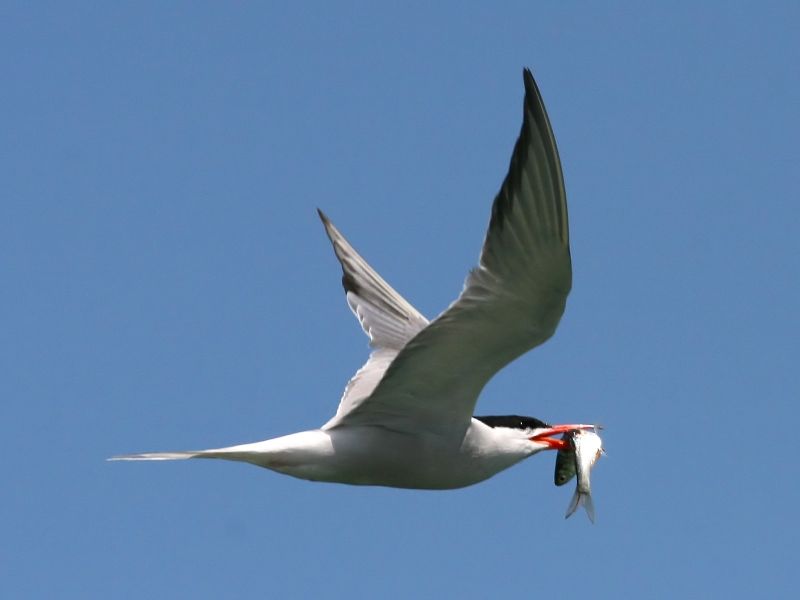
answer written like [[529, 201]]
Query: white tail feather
[[242, 452], [158, 456]]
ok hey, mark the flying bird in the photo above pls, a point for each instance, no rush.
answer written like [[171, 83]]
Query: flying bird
[[406, 417]]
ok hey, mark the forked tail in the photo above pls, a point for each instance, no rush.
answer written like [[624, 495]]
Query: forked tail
[[242, 452], [290, 454], [581, 498], [160, 455]]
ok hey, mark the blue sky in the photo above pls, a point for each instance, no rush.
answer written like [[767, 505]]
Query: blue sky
[[167, 285]]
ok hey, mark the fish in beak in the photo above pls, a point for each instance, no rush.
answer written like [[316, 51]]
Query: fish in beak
[[545, 436], [587, 447]]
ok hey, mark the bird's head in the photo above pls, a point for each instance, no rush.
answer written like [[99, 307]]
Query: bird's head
[[541, 435]]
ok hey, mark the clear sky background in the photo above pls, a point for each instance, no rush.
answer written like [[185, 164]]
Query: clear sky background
[[166, 285]]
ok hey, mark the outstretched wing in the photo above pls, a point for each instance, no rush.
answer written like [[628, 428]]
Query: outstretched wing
[[385, 316], [512, 301]]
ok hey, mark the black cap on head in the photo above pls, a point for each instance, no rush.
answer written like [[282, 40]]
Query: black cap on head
[[513, 422]]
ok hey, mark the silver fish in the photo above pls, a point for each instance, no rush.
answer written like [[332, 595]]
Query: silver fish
[[587, 447]]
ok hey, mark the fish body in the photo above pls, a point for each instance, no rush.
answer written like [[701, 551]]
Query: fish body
[[565, 460], [587, 447]]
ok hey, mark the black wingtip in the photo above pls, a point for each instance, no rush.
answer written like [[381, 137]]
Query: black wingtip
[[527, 78], [329, 228], [531, 89]]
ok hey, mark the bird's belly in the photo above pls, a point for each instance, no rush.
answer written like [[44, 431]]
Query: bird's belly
[[376, 456]]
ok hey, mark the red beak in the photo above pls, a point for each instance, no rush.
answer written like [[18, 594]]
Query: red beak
[[557, 444]]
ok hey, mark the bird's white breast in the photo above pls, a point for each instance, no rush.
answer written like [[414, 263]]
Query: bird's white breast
[[372, 455]]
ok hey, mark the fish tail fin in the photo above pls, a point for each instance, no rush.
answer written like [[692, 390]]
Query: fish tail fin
[[573, 504], [588, 505], [581, 498]]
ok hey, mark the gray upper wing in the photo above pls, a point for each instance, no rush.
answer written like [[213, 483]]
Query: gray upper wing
[[385, 316], [512, 301]]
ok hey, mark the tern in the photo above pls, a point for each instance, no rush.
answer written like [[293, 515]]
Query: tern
[[406, 417]]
